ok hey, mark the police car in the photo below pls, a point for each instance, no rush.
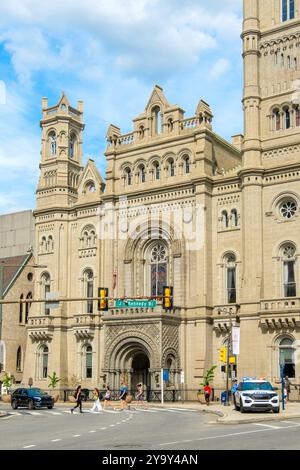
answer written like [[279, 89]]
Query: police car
[[256, 394]]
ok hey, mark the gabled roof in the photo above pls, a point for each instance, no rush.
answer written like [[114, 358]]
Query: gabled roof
[[13, 267], [157, 96]]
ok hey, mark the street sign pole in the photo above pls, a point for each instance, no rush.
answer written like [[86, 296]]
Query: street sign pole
[[1, 294], [282, 384], [162, 386]]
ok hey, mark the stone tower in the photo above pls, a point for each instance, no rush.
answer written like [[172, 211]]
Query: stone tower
[[61, 155]]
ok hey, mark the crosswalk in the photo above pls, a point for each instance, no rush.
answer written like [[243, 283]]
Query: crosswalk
[[132, 410]]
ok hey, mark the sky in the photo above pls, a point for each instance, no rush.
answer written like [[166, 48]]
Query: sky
[[110, 54]]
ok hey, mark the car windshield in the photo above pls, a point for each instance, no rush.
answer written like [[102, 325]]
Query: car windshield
[[36, 392], [256, 386]]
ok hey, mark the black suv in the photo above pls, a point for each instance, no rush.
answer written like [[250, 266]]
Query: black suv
[[31, 398]]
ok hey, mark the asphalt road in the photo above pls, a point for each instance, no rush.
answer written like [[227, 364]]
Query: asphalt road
[[155, 429]]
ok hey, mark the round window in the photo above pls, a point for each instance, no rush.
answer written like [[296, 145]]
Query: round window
[[288, 209]]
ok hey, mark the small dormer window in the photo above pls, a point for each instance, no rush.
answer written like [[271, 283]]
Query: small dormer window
[[141, 132], [91, 188]]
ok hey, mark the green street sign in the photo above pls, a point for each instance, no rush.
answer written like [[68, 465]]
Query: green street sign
[[136, 303]]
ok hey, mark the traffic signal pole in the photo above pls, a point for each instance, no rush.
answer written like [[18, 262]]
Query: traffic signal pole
[[229, 349]]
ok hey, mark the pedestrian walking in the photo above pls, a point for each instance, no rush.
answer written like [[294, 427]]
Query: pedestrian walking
[[287, 386], [78, 398], [97, 400], [107, 397], [207, 393], [233, 390], [123, 395]]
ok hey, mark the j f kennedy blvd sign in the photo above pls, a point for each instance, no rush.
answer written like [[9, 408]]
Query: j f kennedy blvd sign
[[136, 303]]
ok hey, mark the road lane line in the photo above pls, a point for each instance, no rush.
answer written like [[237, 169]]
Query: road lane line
[[103, 429], [291, 422], [56, 440], [222, 436], [91, 431], [77, 435], [29, 447], [55, 413], [266, 425]]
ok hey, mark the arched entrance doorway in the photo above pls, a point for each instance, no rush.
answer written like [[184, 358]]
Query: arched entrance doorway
[[140, 370]]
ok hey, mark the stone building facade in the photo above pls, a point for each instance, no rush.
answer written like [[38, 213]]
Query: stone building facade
[[179, 206]]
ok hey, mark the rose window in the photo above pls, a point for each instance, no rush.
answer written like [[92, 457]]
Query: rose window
[[159, 254], [288, 209]]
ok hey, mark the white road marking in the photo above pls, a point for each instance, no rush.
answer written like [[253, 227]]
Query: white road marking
[[112, 425], [77, 435], [29, 447], [222, 436], [148, 411], [173, 411], [110, 411], [56, 440], [291, 422], [266, 425], [91, 431], [184, 409], [34, 413], [103, 429], [55, 413]]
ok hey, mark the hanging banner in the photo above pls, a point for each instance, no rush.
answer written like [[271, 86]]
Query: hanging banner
[[236, 333]]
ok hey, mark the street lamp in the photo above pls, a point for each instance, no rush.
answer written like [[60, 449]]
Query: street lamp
[[229, 347]]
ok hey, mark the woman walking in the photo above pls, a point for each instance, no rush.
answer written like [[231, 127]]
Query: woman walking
[[78, 398], [123, 395], [107, 397], [97, 402]]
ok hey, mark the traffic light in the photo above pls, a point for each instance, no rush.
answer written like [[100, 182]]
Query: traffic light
[[102, 299], [168, 298], [223, 354]]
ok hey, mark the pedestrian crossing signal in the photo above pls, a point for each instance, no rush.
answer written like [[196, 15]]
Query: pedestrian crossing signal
[[223, 354], [168, 298], [102, 299]]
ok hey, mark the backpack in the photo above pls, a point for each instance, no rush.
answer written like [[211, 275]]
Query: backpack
[[100, 396]]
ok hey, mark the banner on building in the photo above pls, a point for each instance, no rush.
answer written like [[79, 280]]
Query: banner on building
[[236, 333]]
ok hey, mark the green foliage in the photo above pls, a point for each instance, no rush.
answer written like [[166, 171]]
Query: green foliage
[[7, 381], [209, 376], [53, 380]]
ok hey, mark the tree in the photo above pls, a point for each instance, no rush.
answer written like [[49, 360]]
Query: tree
[[209, 376], [53, 380], [7, 381]]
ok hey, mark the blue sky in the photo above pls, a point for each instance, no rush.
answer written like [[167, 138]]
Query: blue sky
[[110, 54]]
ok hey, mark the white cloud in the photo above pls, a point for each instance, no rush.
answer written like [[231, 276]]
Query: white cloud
[[219, 68]]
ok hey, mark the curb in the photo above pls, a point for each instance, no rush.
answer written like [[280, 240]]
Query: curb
[[257, 419]]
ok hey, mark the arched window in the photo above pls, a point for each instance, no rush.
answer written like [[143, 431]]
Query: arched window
[[158, 266], [186, 165], [171, 167], [282, 60], [27, 306], [50, 244], [43, 245], [21, 310], [289, 62], [170, 125], [156, 168], [288, 10], [88, 366], [234, 218], [142, 174], [19, 360], [141, 132], [297, 117], [287, 357], [287, 116], [46, 286], [277, 120], [53, 143], [225, 220], [230, 265], [89, 289], [72, 145], [44, 361], [295, 63], [289, 279], [128, 176], [156, 120], [276, 58]]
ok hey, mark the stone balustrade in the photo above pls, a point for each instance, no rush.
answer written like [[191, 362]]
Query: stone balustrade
[[280, 304]]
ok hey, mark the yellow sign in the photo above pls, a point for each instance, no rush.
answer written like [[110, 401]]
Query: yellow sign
[[232, 360]]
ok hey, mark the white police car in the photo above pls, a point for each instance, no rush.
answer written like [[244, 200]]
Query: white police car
[[256, 395]]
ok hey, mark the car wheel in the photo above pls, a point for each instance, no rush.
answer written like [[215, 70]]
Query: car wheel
[[50, 407], [276, 410], [242, 409], [30, 405], [14, 405]]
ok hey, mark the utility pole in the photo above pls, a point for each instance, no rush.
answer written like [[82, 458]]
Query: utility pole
[[229, 350]]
